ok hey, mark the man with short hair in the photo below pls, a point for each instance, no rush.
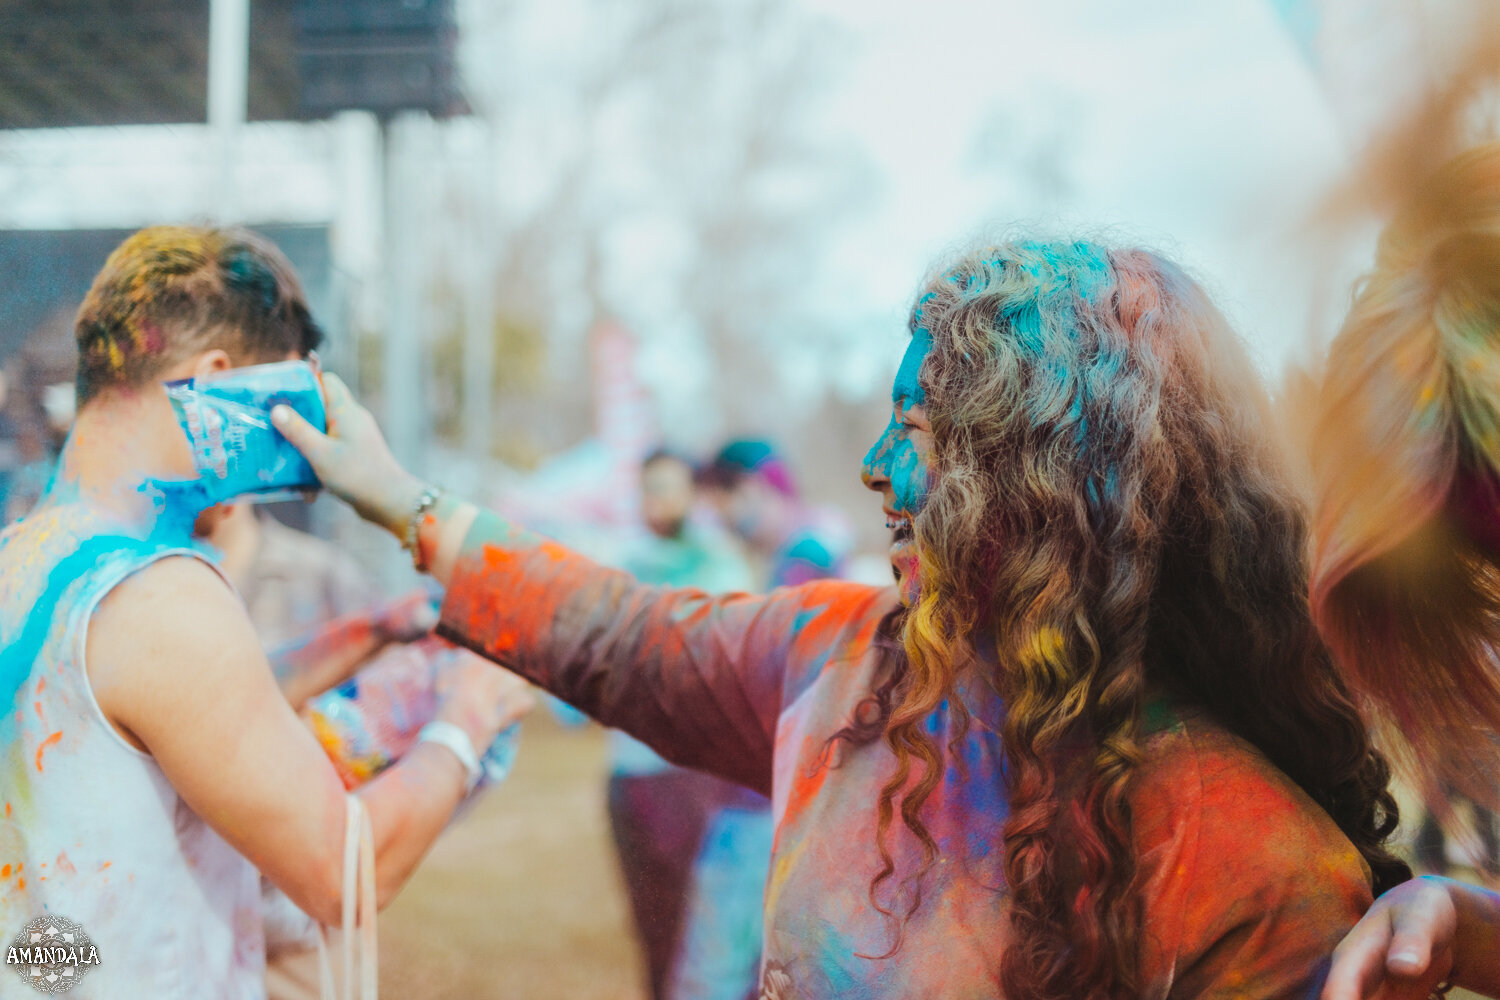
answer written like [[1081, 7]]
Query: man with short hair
[[751, 484], [151, 764]]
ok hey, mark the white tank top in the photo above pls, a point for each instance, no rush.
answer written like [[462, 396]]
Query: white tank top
[[90, 828]]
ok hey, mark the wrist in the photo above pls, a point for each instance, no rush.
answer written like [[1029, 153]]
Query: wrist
[[479, 735], [457, 741], [443, 539], [392, 510]]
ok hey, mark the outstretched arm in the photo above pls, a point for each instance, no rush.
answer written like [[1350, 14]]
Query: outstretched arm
[[701, 679], [1424, 932]]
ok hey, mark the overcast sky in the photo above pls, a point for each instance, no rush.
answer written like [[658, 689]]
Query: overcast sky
[[1197, 128]]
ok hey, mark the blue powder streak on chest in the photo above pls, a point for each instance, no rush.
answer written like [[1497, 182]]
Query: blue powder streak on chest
[[17, 657]]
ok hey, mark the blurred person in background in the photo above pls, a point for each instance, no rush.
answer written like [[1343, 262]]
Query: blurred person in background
[[152, 766], [39, 442], [1089, 745], [1406, 572], [1459, 840], [752, 486], [10, 447], [40, 412], [693, 847]]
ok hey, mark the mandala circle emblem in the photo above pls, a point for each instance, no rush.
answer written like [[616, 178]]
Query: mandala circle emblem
[[52, 954]]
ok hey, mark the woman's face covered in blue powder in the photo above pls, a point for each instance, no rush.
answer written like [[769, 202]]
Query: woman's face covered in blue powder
[[898, 466]]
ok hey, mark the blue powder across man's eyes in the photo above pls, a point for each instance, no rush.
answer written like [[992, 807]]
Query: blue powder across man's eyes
[[227, 420]]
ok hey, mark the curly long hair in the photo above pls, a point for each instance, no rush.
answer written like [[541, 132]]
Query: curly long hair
[[1406, 452], [1105, 520]]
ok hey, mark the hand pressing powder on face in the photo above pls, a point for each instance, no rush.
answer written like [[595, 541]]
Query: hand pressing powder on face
[[227, 419]]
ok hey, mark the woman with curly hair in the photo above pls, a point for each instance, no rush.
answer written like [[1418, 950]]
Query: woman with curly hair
[[1089, 746], [1406, 571]]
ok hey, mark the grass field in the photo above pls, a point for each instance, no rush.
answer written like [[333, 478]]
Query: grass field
[[521, 899]]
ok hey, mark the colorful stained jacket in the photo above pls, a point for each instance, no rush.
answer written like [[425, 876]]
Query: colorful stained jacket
[[1249, 885]]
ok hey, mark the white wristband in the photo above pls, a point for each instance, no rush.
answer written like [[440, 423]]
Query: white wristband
[[457, 741]]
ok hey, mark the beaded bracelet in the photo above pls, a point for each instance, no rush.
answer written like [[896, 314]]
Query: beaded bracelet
[[411, 540]]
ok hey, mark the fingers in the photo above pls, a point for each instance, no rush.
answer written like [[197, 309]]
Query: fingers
[[1359, 962], [464, 675], [1426, 919], [1402, 948], [1410, 952], [511, 685], [339, 406], [517, 698], [340, 401], [304, 436], [516, 706], [408, 618]]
